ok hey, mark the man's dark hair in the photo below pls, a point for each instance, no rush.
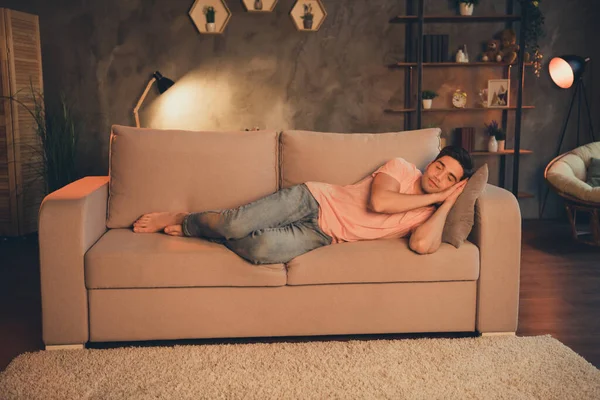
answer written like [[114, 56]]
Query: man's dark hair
[[462, 156]]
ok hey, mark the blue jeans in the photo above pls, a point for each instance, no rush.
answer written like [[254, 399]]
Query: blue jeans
[[270, 230]]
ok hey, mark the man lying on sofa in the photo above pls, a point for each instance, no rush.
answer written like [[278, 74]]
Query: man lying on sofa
[[395, 201]]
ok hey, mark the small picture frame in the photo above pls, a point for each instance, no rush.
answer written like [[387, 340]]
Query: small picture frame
[[498, 93]]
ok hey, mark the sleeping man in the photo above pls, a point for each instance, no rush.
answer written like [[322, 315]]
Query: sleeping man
[[395, 201]]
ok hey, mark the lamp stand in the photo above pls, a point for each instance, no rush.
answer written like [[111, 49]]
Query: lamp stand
[[579, 92], [139, 104]]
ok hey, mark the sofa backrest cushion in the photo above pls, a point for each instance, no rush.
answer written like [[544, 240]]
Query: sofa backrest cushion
[[346, 158], [593, 172], [172, 170]]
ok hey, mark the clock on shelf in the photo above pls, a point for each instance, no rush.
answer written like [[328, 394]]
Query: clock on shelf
[[459, 99]]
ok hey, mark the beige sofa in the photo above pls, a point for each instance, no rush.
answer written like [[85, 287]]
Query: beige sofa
[[102, 282]]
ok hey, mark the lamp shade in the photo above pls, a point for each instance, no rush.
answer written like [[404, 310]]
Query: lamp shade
[[565, 70], [162, 83]]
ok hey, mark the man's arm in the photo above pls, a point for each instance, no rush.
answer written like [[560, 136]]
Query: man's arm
[[385, 197], [427, 238]]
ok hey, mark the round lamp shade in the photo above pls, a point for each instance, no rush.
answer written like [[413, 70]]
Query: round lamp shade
[[565, 70], [162, 83]]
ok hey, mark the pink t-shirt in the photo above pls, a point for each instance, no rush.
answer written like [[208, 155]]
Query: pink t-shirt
[[343, 212]]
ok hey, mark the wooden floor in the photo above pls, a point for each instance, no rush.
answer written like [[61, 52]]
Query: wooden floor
[[560, 296]]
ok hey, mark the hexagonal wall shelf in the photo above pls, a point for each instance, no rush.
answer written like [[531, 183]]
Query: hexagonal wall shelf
[[259, 5], [303, 7], [222, 16]]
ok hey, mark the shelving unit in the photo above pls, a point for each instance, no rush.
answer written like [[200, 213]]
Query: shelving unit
[[419, 19], [500, 153], [448, 109], [455, 64], [455, 18]]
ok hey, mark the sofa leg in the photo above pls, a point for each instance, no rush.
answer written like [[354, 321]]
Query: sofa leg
[[66, 347], [498, 334]]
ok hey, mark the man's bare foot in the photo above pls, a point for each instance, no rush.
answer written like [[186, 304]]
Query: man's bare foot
[[156, 222], [174, 230]]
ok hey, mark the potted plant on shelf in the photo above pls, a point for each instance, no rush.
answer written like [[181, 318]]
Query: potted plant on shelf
[[533, 31], [308, 16], [497, 137], [428, 96], [209, 11], [466, 6]]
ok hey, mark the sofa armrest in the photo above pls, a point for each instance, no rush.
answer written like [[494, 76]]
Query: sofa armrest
[[497, 234], [71, 220]]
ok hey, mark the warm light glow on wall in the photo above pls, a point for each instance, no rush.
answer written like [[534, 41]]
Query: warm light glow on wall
[[225, 96], [191, 104], [561, 73]]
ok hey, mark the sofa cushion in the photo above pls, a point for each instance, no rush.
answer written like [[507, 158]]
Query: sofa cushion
[[383, 260], [593, 172], [461, 217], [124, 259], [346, 158], [169, 170]]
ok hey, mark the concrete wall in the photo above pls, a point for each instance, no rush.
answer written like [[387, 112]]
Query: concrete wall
[[263, 72]]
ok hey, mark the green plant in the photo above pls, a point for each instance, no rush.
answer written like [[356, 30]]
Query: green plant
[[533, 31], [210, 11], [308, 15], [469, 2], [58, 132], [429, 95], [493, 129]]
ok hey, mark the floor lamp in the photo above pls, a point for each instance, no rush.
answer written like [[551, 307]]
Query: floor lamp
[[566, 72], [163, 84]]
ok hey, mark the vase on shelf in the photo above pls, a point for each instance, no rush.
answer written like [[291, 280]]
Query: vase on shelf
[[210, 27], [500, 145], [427, 103], [493, 145], [258, 5], [466, 9]]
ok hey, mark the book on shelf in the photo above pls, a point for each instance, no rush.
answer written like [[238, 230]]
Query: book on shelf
[[466, 138], [435, 49], [427, 48], [445, 41]]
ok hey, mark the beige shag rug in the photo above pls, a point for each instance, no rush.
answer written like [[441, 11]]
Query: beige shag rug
[[535, 367]]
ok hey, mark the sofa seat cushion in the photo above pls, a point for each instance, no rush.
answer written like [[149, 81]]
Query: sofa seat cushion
[[124, 259], [383, 260]]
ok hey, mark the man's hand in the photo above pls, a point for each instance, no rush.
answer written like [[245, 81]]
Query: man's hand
[[458, 189], [454, 191]]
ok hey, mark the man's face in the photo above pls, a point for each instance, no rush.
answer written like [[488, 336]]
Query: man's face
[[441, 174]]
